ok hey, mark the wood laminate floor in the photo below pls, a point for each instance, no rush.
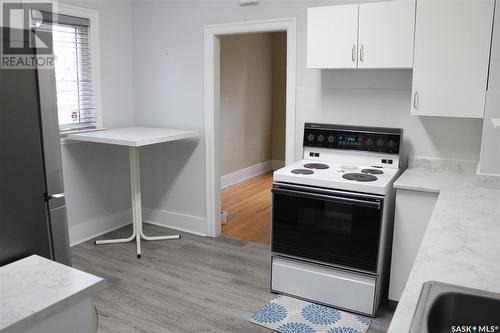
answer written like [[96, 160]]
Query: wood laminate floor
[[194, 284], [249, 208]]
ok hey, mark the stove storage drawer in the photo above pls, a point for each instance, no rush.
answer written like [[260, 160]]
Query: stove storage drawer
[[324, 284]]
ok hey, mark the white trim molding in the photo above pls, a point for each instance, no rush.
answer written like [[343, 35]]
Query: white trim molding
[[239, 176], [173, 220], [81, 232], [212, 102]]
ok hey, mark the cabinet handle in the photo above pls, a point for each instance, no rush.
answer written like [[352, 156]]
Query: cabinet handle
[[362, 53], [353, 53], [415, 100]]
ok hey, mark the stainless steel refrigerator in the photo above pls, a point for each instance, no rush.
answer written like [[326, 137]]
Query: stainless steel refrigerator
[[32, 204]]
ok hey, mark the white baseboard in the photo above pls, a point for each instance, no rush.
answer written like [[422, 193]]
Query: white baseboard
[[81, 232], [182, 222], [247, 173], [244, 174]]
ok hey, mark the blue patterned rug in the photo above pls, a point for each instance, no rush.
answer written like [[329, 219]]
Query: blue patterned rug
[[290, 315]]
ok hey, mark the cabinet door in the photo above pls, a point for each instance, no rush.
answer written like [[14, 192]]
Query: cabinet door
[[386, 31], [412, 215], [452, 47], [332, 36]]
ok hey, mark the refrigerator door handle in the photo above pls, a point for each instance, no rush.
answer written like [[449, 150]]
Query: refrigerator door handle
[[55, 201], [54, 196], [50, 130]]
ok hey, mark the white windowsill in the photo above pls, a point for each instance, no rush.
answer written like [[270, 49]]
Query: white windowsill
[[65, 141]]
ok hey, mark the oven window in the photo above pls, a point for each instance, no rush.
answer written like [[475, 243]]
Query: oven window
[[342, 233]]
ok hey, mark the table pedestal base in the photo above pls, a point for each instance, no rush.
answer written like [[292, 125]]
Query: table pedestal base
[[135, 185], [138, 240]]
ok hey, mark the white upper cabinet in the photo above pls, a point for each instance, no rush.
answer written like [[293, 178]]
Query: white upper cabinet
[[332, 36], [452, 48], [374, 35], [386, 31]]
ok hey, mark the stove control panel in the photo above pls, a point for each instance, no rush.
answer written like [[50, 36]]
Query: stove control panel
[[375, 139]]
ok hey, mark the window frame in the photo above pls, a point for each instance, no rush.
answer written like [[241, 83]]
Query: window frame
[[93, 17]]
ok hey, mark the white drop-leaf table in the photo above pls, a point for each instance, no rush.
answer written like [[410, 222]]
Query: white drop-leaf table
[[135, 137]]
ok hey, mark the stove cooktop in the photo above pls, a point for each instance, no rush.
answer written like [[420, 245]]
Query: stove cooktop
[[342, 176]]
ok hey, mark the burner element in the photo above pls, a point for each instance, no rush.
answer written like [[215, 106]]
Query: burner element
[[316, 166], [372, 171], [302, 171], [360, 177]]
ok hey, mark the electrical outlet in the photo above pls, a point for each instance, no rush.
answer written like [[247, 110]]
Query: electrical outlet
[[224, 217]]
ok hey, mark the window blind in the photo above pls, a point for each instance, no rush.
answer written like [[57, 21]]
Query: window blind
[[73, 70]]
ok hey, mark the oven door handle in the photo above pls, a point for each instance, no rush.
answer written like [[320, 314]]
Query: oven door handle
[[359, 202]]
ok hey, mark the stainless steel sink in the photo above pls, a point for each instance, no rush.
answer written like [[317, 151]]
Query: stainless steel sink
[[445, 308]]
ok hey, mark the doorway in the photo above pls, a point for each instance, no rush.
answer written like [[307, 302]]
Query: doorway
[[213, 34], [252, 130]]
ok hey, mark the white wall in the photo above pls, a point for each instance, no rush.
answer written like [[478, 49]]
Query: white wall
[[490, 148], [168, 91], [96, 177], [246, 100]]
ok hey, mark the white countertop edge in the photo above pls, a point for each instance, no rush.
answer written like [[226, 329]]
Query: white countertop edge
[[187, 134], [53, 309], [416, 188], [35, 287]]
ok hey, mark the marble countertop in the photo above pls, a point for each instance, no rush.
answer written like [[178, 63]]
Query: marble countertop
[[434, 176], [462, 242], [34, 288]]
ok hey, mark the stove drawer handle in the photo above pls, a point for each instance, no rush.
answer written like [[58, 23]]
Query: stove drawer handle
[[375, 204]]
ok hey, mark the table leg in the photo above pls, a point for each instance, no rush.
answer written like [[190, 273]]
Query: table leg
[[134, 175], [121, 240], [140, 233], [135, 186]]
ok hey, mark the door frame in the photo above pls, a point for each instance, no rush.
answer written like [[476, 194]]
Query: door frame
[[212, 102]]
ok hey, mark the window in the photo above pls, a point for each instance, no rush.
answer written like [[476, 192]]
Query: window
[[76, 98]]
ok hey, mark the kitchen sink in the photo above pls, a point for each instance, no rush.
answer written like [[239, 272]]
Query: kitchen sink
[[448, 308]]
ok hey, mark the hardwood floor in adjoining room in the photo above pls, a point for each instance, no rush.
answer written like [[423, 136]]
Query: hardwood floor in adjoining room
[[249, 208], [194, 284]]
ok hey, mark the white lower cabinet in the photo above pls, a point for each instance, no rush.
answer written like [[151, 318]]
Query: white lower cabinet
[[412, 215], [80, 317]]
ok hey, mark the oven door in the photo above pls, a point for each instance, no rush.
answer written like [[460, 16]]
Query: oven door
[[335, 227]]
